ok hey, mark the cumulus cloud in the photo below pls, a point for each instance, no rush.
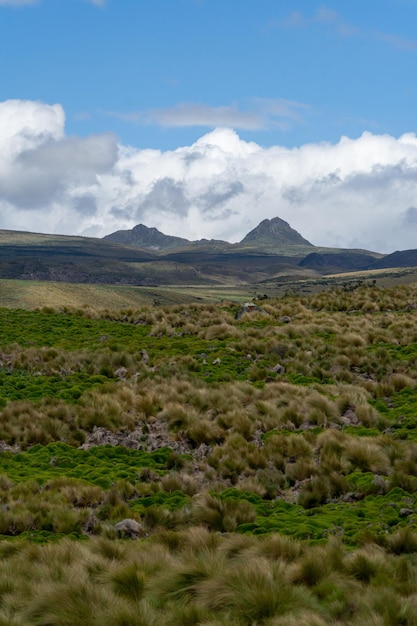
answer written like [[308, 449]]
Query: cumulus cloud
[[354, 193]]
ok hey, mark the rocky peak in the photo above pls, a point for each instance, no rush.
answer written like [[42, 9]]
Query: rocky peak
[[147, 238], [275, 231]]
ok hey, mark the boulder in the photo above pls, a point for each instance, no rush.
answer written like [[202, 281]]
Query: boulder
[[130, 528]]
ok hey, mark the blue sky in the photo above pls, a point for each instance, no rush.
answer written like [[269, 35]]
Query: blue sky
[[147, 82], [287, 71]]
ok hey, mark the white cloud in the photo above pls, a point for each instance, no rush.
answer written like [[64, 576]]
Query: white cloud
[[355, 193], [261, 113]]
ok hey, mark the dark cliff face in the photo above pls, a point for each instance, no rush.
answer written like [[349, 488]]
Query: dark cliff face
[[275, 231]]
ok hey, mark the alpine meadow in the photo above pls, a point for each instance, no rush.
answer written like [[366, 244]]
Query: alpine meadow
[[211, 463]]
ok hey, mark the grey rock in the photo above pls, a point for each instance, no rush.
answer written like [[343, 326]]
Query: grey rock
[[130, 528], [349, 417], [145, 356], [249, 307], [121, 373], [4, 447]]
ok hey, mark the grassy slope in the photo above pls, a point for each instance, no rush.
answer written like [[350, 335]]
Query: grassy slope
[[32, 294], [322, 451]]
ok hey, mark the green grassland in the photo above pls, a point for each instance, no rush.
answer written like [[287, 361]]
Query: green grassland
[[269, 459]]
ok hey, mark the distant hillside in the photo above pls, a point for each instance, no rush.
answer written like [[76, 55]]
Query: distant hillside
[[141, 236], [334, 262], [404, 258], [62, 258], [273, 251]]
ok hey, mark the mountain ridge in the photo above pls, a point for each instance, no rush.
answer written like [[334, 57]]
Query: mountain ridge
[[270, 233], [273, 251]]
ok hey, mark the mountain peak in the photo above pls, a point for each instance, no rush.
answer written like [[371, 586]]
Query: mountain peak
[[275, 231], [268, 235], [147, 238]]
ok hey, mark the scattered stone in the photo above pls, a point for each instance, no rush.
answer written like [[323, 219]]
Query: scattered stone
[[352, 497], [217, 361], [121, 373], [145, 356], [381, 483], [350, 418], [249, 307], [202, 451], [149, 436], [278, 369], [130, 528], [4, 447], [406, 512], [285, 319]]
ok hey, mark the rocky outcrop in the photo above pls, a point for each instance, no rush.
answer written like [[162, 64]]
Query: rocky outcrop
[[150, 437]]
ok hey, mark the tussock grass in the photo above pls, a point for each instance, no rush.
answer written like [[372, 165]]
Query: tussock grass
[[206, 579], [271, 463]]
